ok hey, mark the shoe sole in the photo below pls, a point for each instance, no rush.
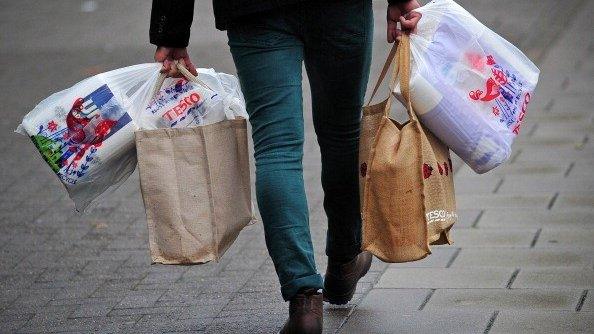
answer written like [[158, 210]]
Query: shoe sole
[[346, 297]]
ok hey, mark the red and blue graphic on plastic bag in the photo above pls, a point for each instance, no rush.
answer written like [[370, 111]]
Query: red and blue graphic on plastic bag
[[504, 90], [70, 146]]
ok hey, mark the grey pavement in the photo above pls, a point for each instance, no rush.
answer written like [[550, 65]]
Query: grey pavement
[[523, 258]]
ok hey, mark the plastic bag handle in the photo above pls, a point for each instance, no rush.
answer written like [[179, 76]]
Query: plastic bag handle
[[184, 71]]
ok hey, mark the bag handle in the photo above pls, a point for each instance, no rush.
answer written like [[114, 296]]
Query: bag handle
[[184, 71], [391, 57], [402, 70], [404, 73]]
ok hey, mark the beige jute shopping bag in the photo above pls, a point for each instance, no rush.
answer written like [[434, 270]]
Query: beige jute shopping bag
[[406, 176], [195, 184]]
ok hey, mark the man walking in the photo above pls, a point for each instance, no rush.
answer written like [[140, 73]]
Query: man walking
[[269, 42]]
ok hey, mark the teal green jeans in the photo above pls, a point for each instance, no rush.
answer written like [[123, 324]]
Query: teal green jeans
[[333, 39]]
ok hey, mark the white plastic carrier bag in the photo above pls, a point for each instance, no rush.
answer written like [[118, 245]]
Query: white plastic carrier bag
[[469, 86], [86, 133]]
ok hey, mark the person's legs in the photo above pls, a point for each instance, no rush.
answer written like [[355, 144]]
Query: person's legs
[[338, 39], [268, 56]]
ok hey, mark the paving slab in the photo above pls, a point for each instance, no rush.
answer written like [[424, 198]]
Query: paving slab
[[503, 201], [552, 141], [393, 301], [558, 114], [569, 153], [551, 219], [543, 322], [583, 127], [524, 258], [581, 170], [12, 323], [536, 136], [486, 237], [544, 169], [334, 318], [135, 299], [584, 200], [362, 321], [555, 278], [445, 278], [476, 186], [588, 305], [468, 217], [503, 299], [582, 238], [94, 309], [519, 184], [152, 323]]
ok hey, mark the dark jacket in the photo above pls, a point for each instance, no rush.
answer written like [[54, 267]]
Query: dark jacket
[[171, 19]]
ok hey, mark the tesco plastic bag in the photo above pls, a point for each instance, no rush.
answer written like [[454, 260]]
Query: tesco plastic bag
[[185, 102], [468, 85], [86, 133]]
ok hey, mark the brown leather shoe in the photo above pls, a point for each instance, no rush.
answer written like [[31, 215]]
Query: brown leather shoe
[[305, 313], [341, 279]]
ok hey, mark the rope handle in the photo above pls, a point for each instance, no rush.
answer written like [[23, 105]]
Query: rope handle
[[184, 71]]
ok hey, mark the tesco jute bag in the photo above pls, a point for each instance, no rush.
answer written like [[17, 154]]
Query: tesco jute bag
[[406, 177], [195, 184]]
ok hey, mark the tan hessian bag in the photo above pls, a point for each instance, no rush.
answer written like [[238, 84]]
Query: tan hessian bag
[[406, 178], [195, 184]]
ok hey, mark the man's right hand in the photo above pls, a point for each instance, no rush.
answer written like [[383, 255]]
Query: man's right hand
[[405, 14], [167, 55]]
